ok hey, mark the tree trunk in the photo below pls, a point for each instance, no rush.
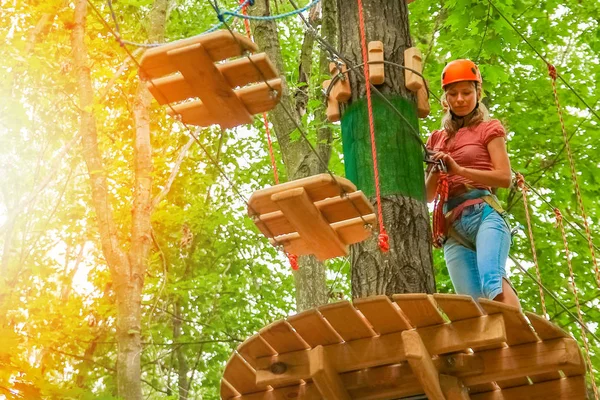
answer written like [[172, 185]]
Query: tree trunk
[[407, 267], [127, 270]]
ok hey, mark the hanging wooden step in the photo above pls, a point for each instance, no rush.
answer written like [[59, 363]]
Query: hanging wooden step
[[317, 215], [191, 78], [445, 346]]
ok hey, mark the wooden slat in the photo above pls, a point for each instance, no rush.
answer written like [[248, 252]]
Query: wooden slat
[[518, 330], [545, 329], [419, 308], [457, 307], [307, 391], [255, 347], [256, 99], [240, 72], [422, 366], [334, 209], [461, 335], [241, 376], [325, 377], [282, 338], [313, 328], [385, 349], [318, 187], [391, 382], [482, 388], [227, 391], [346, 321], [562, 389], [453, 388], [355, 230], [384, 316], [522, 360], [219, 46], [207, 82], [310, 224]]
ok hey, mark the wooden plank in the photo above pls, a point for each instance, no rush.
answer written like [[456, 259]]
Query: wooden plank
[[457, 306], [422, 366], [313, 328], [306, 391], [227, 391], [318, 187], [325, 377], [240, 72], [349, 232], [462, 335], [297, 206], [334, 209], [282, 338], [209, 84], [545, 329], [384, 316], [420, 309], [382, 350], [482, 388], [219, 46], [527, 359], [518, 330], [255, 347], [346, 321], [256, 99], [241, 376], [453, 388], [562, 389], [382, 383]]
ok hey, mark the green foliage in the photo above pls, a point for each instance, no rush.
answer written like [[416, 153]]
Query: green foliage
[[212, 279]]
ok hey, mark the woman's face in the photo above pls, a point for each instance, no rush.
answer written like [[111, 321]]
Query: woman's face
[[462, 97]]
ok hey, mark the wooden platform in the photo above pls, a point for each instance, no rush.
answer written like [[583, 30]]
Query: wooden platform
[[315, 215], [443, 346], [202, 90]]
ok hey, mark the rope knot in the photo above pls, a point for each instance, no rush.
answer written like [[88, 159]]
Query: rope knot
[[221, 18], [520, 181], [384, 241], [293, 261], [552, 71], [558, 214]]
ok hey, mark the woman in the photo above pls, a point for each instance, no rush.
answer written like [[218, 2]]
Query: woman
[[473, 149]]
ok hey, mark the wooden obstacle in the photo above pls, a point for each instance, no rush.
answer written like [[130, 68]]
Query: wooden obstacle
[[442, 346], [184, 74], [317, 215]]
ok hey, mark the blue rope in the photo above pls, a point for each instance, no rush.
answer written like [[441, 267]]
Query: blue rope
[[270, 17]]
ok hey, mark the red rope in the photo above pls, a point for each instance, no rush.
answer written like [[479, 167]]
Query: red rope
[[559, 221], [439, 219], [291, 257], [553, 74], [246, 22], [383, 236], [521, 185]]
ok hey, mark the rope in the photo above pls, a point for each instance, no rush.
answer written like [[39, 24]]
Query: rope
[[383, 238], [553, 74], [439, 219], [575, 292], [269, 17], [521, 185]]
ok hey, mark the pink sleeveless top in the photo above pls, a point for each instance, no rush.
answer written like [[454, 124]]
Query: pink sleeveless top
[[469, 149]]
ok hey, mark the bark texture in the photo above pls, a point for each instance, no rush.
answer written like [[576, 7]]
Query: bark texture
[[299, 159], [407, 267], [127, 267]]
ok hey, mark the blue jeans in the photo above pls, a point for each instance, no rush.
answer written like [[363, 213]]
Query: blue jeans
[[478, 273]]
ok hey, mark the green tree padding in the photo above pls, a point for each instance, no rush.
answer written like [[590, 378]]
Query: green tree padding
[[399, 155]]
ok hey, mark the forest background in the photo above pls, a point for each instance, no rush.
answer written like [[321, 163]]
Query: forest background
[[211, 279]]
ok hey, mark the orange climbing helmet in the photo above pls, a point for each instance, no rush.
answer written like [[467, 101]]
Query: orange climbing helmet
[[459, 71]]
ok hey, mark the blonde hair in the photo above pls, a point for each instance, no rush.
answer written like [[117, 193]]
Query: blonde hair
[[452, 125]]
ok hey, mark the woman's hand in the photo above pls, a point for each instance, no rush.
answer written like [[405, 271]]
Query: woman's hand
[[451, 165]]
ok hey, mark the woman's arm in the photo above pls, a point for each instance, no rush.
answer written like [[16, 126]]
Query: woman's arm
[[499, 176], [431, 184]]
